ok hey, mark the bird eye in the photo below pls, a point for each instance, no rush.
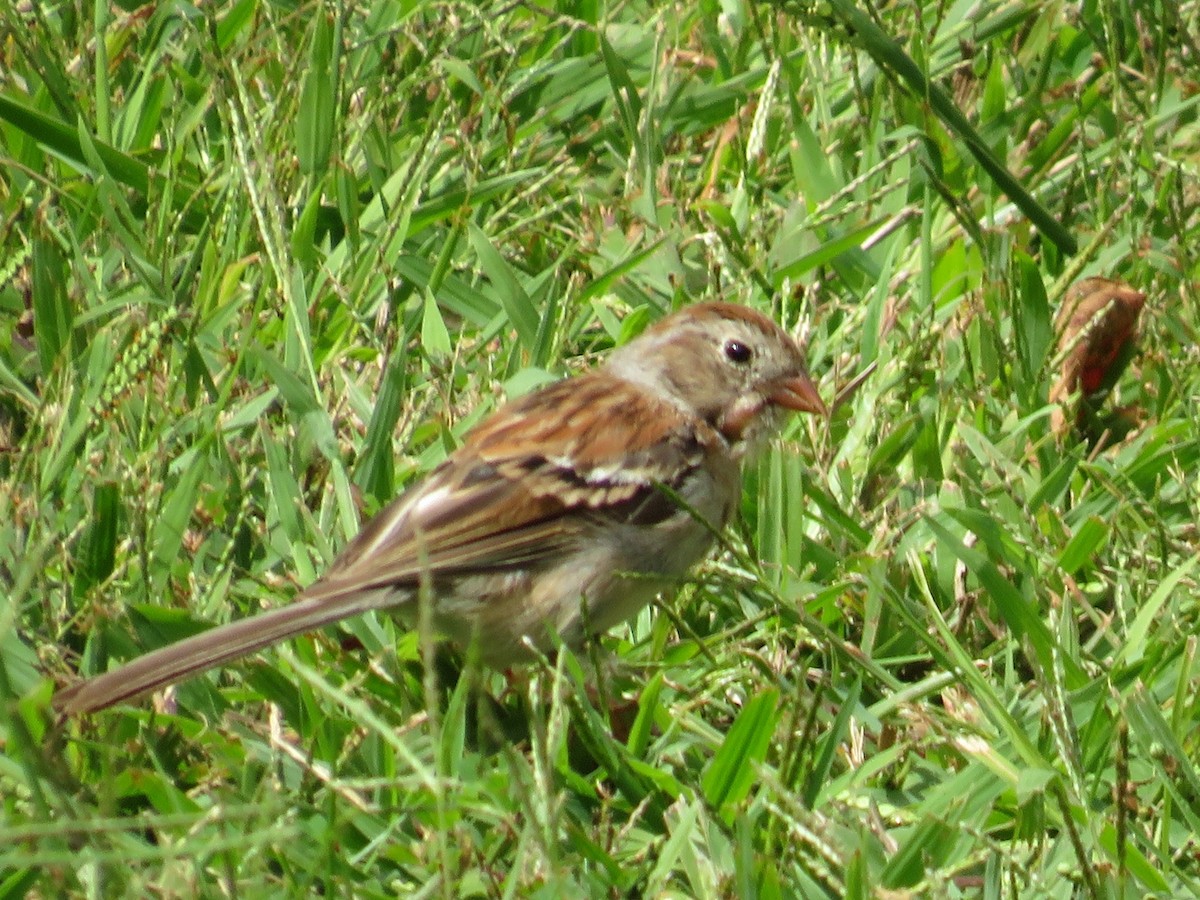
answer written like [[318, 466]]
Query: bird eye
[[738, 352]]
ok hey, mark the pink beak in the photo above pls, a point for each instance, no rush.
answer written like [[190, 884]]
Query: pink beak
[[799, 393]]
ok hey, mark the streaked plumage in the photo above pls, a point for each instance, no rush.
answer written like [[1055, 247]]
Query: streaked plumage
[[563, 513]]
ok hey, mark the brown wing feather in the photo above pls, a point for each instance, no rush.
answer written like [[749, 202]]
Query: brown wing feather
[[503, 498], [500, 501]]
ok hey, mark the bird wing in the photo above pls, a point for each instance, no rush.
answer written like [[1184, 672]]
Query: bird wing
[[512, 494]]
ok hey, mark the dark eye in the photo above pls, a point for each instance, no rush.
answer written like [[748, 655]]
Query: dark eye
[[738, 352]]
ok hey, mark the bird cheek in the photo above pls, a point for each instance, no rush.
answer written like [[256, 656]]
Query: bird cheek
[[738, 417]]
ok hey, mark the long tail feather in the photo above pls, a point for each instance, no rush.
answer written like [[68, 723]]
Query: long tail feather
[[191, 656]]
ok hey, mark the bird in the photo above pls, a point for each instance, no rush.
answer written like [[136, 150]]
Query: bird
[[561, 514], [1097, 329]]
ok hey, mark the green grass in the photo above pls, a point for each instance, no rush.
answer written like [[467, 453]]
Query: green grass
[[941, 655]]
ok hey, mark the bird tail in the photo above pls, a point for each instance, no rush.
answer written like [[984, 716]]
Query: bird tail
[[201, 652]]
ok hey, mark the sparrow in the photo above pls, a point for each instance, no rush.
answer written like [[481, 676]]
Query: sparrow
[[1096, 328], [561, 515]]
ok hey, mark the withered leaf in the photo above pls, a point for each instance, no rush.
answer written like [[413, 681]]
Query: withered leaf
[[1096, 328]]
